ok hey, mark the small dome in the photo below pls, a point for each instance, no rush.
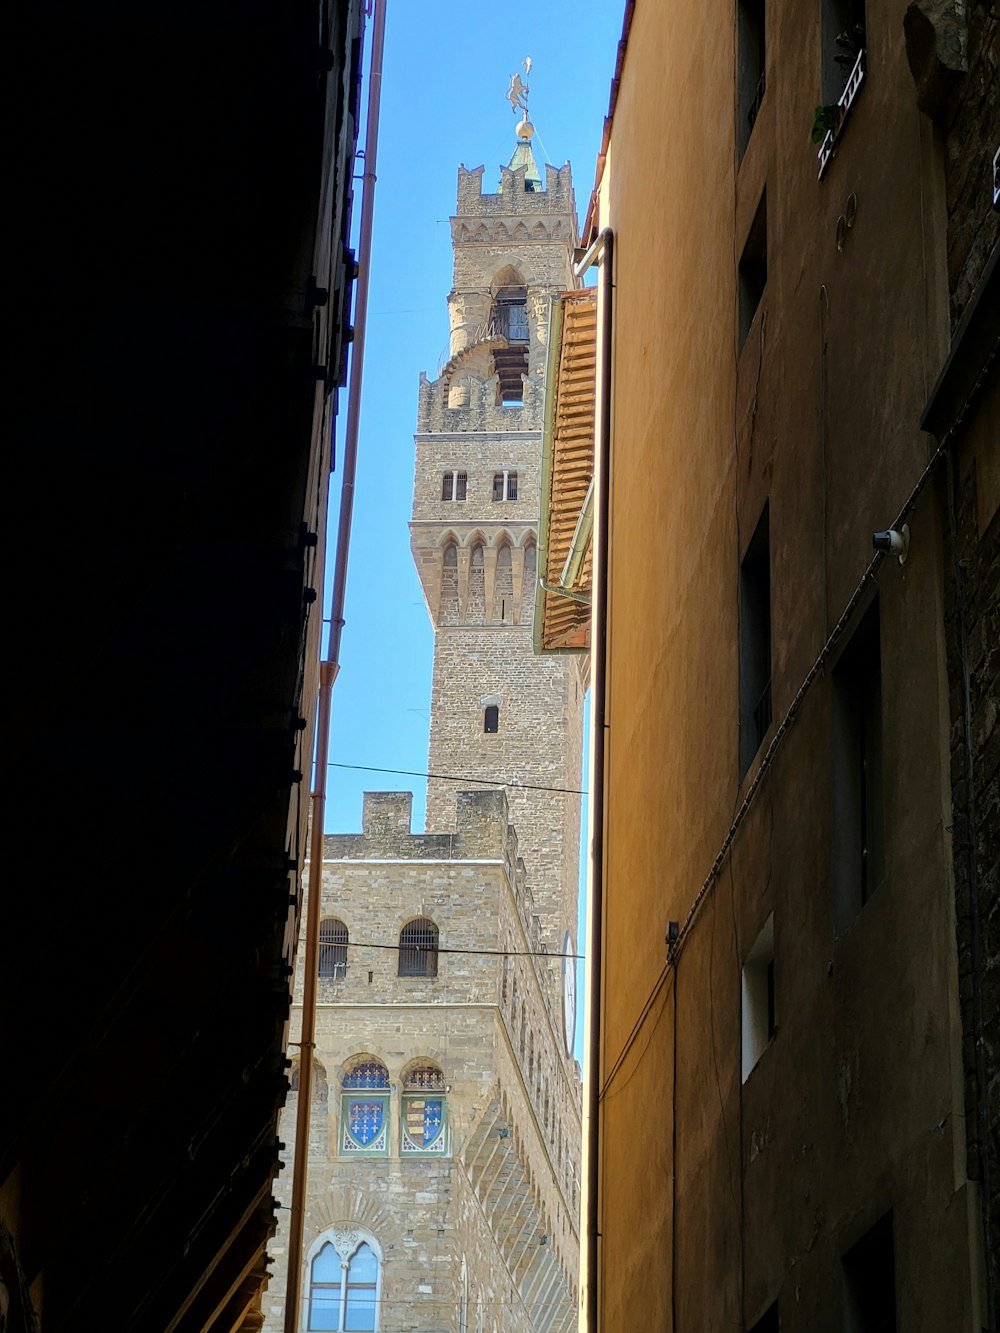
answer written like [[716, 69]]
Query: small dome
[[524, 129]]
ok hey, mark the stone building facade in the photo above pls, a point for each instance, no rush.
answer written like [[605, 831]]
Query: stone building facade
[[445, 1145]]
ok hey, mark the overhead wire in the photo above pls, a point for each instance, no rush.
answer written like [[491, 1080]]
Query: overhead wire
[[451, 777], [476, 953]]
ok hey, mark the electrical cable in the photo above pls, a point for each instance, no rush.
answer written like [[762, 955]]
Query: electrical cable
[[515, 784], [476, 953]]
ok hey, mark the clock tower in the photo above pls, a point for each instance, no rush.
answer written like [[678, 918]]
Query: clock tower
[[444, 1167], [499, 713]]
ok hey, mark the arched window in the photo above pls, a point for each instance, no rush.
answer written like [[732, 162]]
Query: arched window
[[319, 1117], [424, 1111], [530, 565], [503, 587], [491, 719], [364, 1109], [418, 948], [476, 598], [332, 948], [449, 584], [344, 1284]]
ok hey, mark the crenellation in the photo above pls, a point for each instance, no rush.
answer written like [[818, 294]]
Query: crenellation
[[491, 885]]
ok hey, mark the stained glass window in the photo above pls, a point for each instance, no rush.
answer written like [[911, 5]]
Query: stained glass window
[[364, 1120], [367, 1074], [424, 1111]]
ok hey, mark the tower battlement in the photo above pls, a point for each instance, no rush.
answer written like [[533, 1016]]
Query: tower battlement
[[514, 197]]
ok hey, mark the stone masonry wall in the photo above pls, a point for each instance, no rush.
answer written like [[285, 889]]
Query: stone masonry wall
[[972, 137], [975, 565], [538, 744], [483, 1020]]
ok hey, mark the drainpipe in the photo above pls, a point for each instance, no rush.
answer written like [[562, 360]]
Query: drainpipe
[[602, 252], [329, 669]]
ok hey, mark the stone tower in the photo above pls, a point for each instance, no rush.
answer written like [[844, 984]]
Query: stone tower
[[444, 1155], [498, 712]]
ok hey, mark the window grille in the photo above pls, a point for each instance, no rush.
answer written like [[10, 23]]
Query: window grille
[[504, 485], [755, 642], [454, 485], [333, 940], [423, 1078], [367, 1074], [418, 949]]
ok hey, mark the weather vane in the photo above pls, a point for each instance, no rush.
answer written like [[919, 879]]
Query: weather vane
[[517, 93]]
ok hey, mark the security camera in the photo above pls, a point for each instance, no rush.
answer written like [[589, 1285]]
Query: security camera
[[893, 539]]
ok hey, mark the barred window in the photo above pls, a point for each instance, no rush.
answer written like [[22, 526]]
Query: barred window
[[454, 485], [333, 939], [505, 485], [364, 1111], [418, 948]]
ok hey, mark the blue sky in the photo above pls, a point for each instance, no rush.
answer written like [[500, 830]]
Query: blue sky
[[446, 71]]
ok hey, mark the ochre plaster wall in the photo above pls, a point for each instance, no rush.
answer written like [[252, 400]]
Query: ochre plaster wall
[[718, 1197]]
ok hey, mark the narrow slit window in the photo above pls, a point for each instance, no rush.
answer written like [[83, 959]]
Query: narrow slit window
[[858, 810], [753, 269], [768, 1322], [491, 719], [755, 642], [758, 1021], [751, 67], [870, 1281]]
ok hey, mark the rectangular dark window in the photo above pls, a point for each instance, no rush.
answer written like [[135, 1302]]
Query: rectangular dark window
[[843, 39], [858, 813], [461, 485], [751, 70], [511, 485], [758, 1019], [448, 486], [768, 1322], [755, 642], [498, 486], [753, 269], [870, 1281]]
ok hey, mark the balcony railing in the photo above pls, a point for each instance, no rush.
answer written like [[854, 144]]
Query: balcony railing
[[758, 97], [844, 103]]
